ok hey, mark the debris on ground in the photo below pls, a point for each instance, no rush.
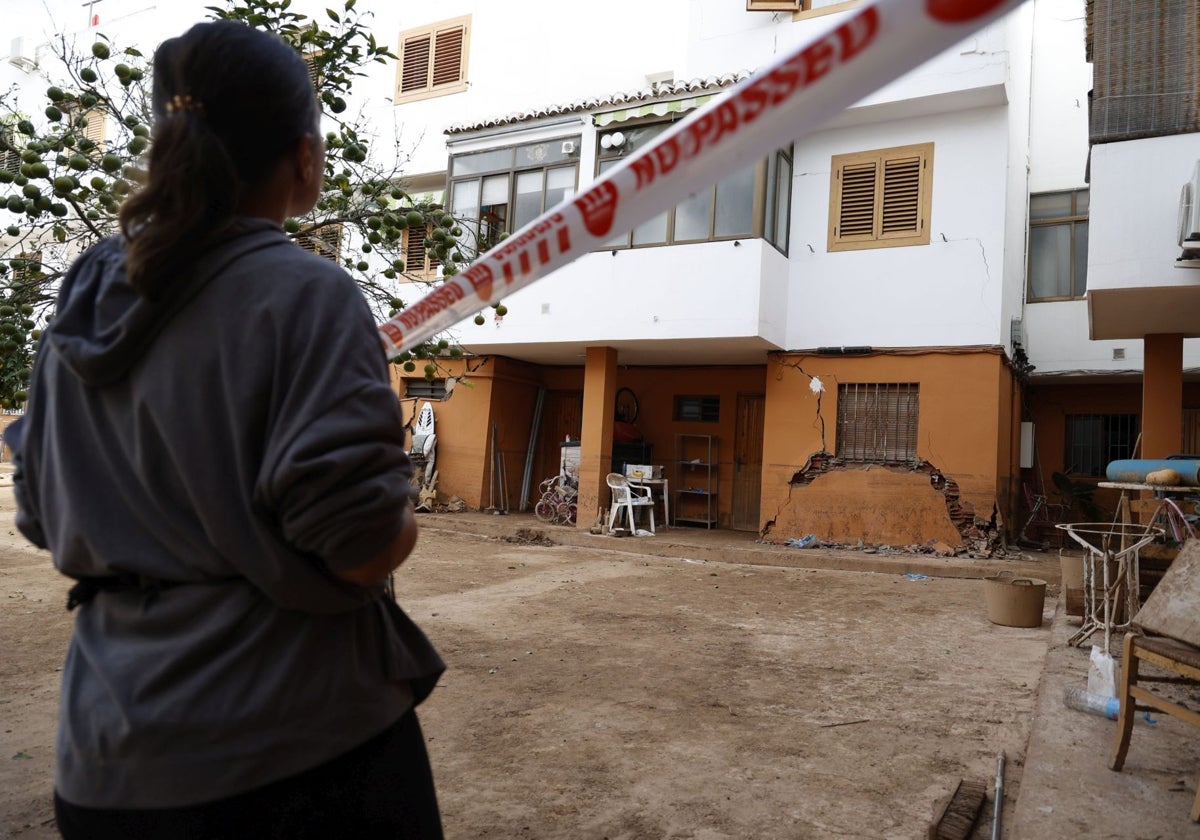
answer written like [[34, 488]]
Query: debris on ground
[[525, 536]]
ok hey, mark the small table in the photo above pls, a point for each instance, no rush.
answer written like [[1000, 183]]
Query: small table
[[659, 485]]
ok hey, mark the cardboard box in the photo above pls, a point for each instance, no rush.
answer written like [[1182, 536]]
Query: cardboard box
[[643, 471]]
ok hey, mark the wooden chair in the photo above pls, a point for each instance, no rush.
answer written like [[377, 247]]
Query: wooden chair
[[627, 498], [1179, 659], [1167, 636]]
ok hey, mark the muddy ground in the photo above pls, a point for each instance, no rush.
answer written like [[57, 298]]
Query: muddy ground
[[603, 694]]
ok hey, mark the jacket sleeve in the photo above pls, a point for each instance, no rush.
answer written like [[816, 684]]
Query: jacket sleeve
[[27, 519], [335, 477]]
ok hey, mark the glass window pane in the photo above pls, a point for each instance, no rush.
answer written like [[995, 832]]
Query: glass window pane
[[527, 202], [621, 240], [493, 210], [1050, 261], [545, 154], [464, 203], [1081, 258], [478, 162], [783, 203], [560, 185], [1082, 200], [769, 217], [1050, 205], [653, 232], [693, 217], [735, 203]]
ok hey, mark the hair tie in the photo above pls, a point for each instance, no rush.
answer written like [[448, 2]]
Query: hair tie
[[185, 103]]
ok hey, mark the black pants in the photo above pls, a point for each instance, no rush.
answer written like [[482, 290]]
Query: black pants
[[382, 788]]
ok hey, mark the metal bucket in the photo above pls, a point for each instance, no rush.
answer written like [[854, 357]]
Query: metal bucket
[[1014, 601]]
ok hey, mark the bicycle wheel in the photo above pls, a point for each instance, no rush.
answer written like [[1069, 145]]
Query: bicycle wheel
[[562, 512], [626, 408], [544, 510]]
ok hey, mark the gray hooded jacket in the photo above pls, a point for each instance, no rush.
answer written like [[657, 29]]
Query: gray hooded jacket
[[232, 441]]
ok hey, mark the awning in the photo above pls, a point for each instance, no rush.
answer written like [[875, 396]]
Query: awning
[[656, 109]]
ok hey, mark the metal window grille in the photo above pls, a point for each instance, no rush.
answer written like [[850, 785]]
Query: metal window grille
[[1094, 440], [698, 409], [425, 389], [877, 422]]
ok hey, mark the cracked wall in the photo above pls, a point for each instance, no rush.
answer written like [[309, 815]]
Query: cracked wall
[[955, 493]]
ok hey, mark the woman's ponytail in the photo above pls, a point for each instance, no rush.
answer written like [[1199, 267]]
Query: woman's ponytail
[[230, 102], [192, 188]]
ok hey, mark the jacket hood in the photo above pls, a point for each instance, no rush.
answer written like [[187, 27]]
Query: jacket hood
[[102, 327]]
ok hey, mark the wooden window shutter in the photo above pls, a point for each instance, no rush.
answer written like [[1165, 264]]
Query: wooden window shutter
[[447, 56], [312, 62], [324, 241], [433, 60], [28, 266], [414, 75], [774, 5], [901, 212], [96, 124], [417, 260], [881, 199], [856, 216], [10, 145]]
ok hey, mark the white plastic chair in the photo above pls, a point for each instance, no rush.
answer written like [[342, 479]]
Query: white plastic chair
[[626, 498]]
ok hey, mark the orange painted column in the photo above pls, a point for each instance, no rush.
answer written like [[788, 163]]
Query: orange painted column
[[1162, 396], [595, 446]]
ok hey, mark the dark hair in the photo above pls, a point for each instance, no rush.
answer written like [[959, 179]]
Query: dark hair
[[229, 102]]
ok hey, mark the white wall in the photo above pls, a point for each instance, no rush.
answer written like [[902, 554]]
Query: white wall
[[947, 292], [1133, 239], [706, 290]]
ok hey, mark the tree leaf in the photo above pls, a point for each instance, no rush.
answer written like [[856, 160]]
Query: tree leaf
[[333, 16]]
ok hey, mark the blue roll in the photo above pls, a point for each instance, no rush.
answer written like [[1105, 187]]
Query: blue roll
[[1135, 470]]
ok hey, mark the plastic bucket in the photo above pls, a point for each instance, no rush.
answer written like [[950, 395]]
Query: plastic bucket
[[1014, 601]]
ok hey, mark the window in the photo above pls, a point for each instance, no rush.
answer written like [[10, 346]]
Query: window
[[417, 259], [313, 61], [501, 190], [11, 142], [1095, 439], [324, 240], [697, 409], [877, 422], [800, 7], [753, 202], [881, 199], [26, 267], [1058, 245], [433, 60], [424, 389]]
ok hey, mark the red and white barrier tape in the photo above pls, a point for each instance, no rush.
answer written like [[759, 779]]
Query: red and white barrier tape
[[870, 46]]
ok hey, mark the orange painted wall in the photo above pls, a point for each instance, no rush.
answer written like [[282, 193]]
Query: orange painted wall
[[963, 430], [656, 389], [461, 426], [505, 391], [1049, 406], [1162, 395]]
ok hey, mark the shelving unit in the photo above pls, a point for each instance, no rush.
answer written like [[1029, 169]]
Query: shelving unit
[[696, 477]]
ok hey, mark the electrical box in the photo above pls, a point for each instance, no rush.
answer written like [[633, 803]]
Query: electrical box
[[1026, 458]]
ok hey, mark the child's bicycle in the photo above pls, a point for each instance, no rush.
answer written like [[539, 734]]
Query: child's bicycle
[[558, 503]]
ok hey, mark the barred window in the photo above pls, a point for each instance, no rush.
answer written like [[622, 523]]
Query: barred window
[[877, 422], [424, 389], [1093, 440]]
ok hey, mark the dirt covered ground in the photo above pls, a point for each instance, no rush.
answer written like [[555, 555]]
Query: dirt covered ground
[[603, 694]]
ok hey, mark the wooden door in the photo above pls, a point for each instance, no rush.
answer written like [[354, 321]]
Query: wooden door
[[747, 461], [562, 416]]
